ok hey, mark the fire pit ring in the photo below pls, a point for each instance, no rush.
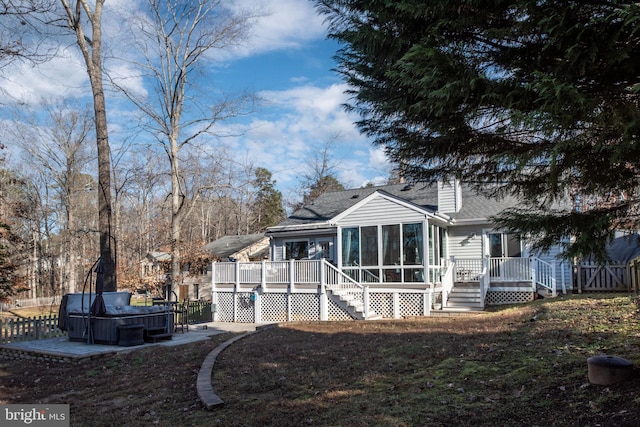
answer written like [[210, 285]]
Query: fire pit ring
[[606, 370]]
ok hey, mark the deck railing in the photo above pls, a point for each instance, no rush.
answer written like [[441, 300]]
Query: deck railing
[[468, 269], [265, 272], [504, 269]]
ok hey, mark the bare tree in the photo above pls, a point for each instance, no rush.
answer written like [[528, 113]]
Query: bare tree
[[80, 13], [58, 147], [320, 173], [175, 38], [20, 35]]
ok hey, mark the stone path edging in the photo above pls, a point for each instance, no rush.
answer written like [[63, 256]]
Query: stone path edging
[[204, 383]]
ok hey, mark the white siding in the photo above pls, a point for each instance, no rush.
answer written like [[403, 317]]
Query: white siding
[[463, 244], [381, 211], [449, 196]]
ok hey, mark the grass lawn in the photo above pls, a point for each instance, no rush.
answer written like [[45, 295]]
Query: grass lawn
[[524, 365], [44, 310]]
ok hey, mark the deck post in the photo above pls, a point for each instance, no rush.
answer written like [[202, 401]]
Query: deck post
[[532, 272], [554, 285], [324, 303], [214, 294], [236, 289], [257, 307], [428, 295], [290, 290], [365, 302], [263, 276]]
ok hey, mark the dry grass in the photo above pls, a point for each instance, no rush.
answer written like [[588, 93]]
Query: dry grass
[[523, 365]]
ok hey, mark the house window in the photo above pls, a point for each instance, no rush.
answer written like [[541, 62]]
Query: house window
[[296, 249]]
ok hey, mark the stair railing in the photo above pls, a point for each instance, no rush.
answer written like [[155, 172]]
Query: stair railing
[[447, 280], [544, 275], [485, 282], [339, 283]]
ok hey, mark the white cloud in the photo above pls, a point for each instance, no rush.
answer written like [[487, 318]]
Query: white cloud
[[282, 24], [61, 77], [307, 118]]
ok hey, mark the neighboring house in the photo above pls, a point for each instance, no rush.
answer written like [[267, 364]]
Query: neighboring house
[[154, 265], [402, 239], [251, 247]]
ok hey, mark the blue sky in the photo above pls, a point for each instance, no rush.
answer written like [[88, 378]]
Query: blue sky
[[287, 61]]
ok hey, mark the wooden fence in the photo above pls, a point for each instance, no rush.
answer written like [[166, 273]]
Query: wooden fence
[[196, 312], [29, 328], [607, 277]]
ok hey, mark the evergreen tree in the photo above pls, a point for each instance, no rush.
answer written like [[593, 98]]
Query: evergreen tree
[[267, 208], [324, 184], [534, 98]]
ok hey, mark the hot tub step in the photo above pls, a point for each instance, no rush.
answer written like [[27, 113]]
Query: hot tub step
[[156, 334]]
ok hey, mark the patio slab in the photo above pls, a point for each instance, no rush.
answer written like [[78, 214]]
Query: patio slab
[[61, 349]]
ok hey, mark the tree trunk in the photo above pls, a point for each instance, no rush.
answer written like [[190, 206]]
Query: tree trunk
[[175, 216]]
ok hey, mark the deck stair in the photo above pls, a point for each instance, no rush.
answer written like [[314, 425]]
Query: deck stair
[[352, 305], [465, 296], [156, 334]]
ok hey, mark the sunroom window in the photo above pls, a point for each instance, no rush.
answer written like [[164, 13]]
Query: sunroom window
[[391, 253]]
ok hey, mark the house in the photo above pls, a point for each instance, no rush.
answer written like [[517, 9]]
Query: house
[[397, 241], [154, 265]]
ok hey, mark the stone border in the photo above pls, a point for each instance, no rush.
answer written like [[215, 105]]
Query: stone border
[[204, 382]]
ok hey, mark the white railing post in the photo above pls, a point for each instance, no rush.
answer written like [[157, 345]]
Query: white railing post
[[533, 272], [554, 290], [365, 302], [236, 290], [324, 303], [291, 274], [214, 293], [263, 277], [290, 290], [237, 278]]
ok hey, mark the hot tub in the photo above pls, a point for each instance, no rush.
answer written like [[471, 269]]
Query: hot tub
[[75, 318]]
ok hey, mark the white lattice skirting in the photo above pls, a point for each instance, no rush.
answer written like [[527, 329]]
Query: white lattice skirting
[[266, 307], [508, 297]]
